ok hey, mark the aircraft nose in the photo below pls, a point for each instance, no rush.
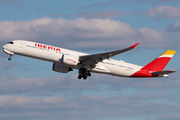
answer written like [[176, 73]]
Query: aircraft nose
[[4, 47]]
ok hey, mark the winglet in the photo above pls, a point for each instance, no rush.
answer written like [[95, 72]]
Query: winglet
[[133, 46]]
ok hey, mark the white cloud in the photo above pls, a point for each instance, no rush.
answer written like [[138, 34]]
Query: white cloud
[[70, 85], [44, 86], [164, 12], [145, 84], [159, 13], [82, 33], [86, 107], [61, 97], [4, 66]]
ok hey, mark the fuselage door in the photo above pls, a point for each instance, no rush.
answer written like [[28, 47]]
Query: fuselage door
[[21, 45]]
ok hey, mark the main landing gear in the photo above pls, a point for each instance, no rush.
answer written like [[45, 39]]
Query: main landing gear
[[10, 58], [84, 73]]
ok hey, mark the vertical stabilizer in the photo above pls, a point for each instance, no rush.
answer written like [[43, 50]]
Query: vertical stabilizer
[[159, 63]]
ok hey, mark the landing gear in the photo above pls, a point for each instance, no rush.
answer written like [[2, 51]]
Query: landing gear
[[79, 77], [84, 73], [10, 58], [84, 77]]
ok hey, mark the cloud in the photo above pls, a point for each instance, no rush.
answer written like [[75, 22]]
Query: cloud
[[164, 12], [158, 13], [98, 14], [64, 97], [126, 2], [99, 4], [175, 27], [145, 84], [6, 66], [106, 14], [13, 3], [82, 33], [43, 86], [86, 107], [156, 1], [71, 85]]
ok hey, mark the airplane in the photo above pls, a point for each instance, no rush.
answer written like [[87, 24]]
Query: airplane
[[65, 60]]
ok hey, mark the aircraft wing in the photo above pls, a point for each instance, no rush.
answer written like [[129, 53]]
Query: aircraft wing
[[99, 57]]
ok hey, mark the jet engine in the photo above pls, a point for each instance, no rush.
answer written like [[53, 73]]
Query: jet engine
[[70, 60], [61, 68]]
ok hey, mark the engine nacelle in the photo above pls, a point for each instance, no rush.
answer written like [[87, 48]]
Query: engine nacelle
[[70, 60], [61, 68]]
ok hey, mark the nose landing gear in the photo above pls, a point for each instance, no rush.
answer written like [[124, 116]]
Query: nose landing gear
[[10, 58], [84, 73]]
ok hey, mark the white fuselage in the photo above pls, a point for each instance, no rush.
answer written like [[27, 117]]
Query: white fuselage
[[54, 54]]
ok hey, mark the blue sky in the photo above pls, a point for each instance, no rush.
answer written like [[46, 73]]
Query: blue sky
[[30, 90]]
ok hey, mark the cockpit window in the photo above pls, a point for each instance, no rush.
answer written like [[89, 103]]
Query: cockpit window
[[11, 42]]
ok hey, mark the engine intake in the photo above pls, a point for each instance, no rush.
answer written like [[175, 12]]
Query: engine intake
[[61, 68]]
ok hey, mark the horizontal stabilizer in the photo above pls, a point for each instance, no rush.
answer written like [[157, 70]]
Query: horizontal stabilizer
[[164, 72]]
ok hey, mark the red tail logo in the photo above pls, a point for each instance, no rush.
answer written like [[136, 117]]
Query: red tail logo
[[156, 65]]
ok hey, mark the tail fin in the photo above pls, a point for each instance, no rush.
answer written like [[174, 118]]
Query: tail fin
[[159, 63]]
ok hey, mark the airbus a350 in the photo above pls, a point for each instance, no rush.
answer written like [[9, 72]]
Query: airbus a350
[[65, 60]]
